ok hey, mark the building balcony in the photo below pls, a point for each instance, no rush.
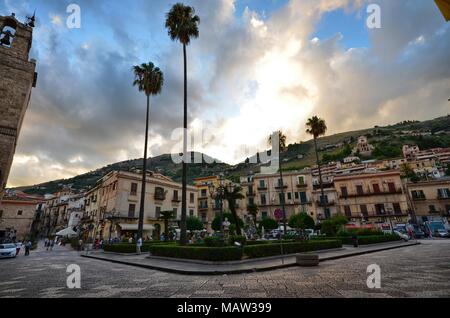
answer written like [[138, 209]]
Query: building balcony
[[176, 200], [264, 188], [159, 197], [323, 204], [302, 185], [421, 198], [441, 197], [371, 193], [279, 187]]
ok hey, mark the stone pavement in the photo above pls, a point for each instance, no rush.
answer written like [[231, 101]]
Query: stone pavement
[[415, 271], [193, 267]]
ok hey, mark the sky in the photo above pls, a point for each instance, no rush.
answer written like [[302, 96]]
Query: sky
[[258, 66]]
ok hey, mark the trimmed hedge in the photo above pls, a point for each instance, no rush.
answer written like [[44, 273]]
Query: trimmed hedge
[[263, 250], [362, 240], [215, 254], [131, 247]]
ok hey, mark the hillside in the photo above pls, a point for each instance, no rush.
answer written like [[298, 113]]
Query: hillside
[[387, 140]]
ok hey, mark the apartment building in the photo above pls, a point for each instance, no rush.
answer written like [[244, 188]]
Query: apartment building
[[430, 199], [297, 190], [372, 197], [119, 202]]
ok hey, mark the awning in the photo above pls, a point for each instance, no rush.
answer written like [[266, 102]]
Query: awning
[[134, 227], [67, 232]]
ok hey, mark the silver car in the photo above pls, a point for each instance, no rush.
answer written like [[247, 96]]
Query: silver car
[[8, 250]]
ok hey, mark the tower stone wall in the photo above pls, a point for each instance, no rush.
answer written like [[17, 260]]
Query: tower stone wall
[[17, 78]]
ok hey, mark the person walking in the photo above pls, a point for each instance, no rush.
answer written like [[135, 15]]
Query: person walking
[[51, 243], [139, 245], [27, 248], [46, 243]]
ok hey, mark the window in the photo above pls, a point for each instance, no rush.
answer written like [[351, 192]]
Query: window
[[289, 196], [203, 217], [443, 193], [303, 198], [1, 213], [344, 192], [251, 201], [379, 209], [191, 198], [175, 211], [301, 180], [432, 208], [191, 212], [159, 193], [281, 197], [264, 214], [8, 33], [359, 189], [391, 187], [262, 184], [131, 210], [133, 188], [376, 188], [347, 211], [397, 208], [280, 183], [263, 199], [364, 211], [324, 199], [296, 195], [417, 194], [175, 195], [327, 213], [20, 212], [158, 212], [203, 192]]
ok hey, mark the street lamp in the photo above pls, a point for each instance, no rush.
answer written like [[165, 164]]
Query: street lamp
[[218, 194]]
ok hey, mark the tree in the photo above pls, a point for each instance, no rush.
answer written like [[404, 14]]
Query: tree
[[149, 79], [182, 25], [331, 226], [301, 221], [268, 224], [317, 127], [282, 147], [194, 224], [166, 216], [231, 197], [253, 210], [216, 226]]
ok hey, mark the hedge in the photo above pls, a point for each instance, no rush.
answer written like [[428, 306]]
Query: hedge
[[216, 254], [255, 251], [362, 240], [131, 247]]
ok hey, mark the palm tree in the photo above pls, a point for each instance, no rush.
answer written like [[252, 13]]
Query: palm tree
[[282, 147], [182, 25], [231, 195], [166, 216], [253, 210], [317, 127], [149, 79]]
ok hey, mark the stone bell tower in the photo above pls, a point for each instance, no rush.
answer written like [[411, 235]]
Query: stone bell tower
[[17, 78]]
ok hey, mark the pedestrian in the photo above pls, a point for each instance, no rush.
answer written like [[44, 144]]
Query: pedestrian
[[80, 245], [51, 243], [138, 245], [18, 246], [46, 243], [27, 248]]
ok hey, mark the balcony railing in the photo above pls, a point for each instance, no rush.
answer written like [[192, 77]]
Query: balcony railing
[[262, 188], [160, 196], [302, 185], [279, 187], [419, 198], [371, 193], [325, 203], [443, 197]]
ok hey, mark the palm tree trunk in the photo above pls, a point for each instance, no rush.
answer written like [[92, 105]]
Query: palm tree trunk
[[184, 176], [320, 178], [144, 175], [283, 208], [236, 219]]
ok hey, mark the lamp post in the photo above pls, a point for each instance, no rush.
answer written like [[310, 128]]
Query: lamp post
[[218, 194]]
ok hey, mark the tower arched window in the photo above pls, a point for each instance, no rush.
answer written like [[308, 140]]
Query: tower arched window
[[8, 32]]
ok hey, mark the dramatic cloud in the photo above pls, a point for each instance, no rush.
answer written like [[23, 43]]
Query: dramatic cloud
[[250, 72]]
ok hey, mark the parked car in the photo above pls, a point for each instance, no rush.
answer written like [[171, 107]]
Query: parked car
[[441, 233], [403, 236], [8, 250]]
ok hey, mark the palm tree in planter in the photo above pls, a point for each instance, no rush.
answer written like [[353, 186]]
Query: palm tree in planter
[[317, 127], [282, 147], [149, 79], [231, 194], [182, 25], [166, 216]]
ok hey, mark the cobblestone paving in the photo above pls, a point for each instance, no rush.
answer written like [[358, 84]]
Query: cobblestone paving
[[417, 271]]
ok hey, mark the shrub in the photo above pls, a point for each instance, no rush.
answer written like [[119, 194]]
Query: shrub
[[271, 249], [131, 247], [237, 238], [301, 221], [194, 224], [332, 226], [214, 241], [268, 223], [215, 254]]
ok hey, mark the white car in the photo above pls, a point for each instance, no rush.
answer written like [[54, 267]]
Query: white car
[[441, 233], [8, 250]]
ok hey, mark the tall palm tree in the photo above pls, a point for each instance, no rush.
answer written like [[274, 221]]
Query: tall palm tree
[[231, 195], [317, 127], [149, 79], [282, 147], [182, 25], [166, 216]]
